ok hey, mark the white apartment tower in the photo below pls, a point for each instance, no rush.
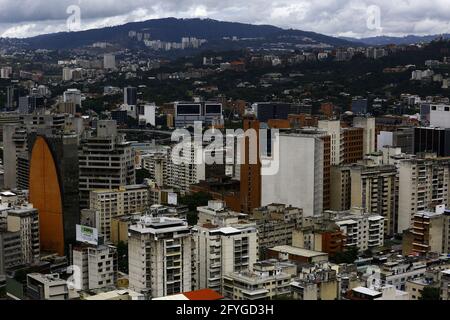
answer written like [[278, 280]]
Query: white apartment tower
[[299, 179], [423, 184], [160, 256], [223, 244]]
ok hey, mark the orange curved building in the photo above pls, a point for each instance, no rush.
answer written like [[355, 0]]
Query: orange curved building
[[58, 209], [45, 195]]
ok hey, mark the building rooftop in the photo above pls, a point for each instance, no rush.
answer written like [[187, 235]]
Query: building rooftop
[[367, 291], [298, 251]]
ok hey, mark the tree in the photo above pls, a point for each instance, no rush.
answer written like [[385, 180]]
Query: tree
[[347, 256], [192, 201], [430, 293]]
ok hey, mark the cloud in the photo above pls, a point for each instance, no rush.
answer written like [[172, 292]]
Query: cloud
[[23, 18]]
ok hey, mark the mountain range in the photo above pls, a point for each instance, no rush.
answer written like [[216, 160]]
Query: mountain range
[[172, 30]]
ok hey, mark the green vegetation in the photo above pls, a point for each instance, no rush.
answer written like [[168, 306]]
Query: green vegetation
[[347, 256], [192, 201], [141, 174]]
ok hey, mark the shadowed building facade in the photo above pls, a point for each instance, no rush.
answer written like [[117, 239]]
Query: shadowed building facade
[[54, 189]]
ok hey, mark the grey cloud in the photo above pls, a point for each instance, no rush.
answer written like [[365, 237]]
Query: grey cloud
[[334, 17]]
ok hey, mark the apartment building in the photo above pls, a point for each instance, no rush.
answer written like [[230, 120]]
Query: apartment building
[[362, 230], [97, 266], [268, 279], [106, 161], [275, 224], [316, 282], [160, 256], [111, 203], [369, 134], [25, 220], [373, 188], [423, 184], [430, 232], [224, 243]]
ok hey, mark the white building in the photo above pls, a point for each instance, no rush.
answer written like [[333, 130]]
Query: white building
[[97, 266], [147, 114], [299, 178], [223, 244], [46, 287], [160, 256], [66, 74], [109, 61], [435, 115], [333, 128], [72, 95], [363, 231]]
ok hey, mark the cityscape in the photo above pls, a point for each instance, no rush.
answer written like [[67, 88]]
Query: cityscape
[[191, 158]]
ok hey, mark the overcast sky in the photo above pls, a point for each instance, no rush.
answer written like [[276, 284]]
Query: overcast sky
[[355, 18]]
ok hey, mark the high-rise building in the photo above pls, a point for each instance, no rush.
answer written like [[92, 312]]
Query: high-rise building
[[430, 233], [72, 95], [435, 115], [67, 74], [299, 180], [423, 184], [25, 220], [187, 113], [275, 224], [130, 96], [53, 189], [362, 230], [432, 140], [266, 111], [97, 265], [106, 161], [109, 61], [223, 244], [108, 204], [160, 256], [373, 189], [369, 135], [250, 168]]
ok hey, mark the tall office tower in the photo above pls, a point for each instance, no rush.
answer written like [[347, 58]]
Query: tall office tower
[[109, 61], [250, 171], [109, 204], [53, 189], [271, 110], [72, 95], [97, 265], [160, 256], [423, 184], [14, 142], [6, 72], [346, 143], [373, 189], [432, 140], [12, 98], [130, 96], [333, 128], [368, 124], [299, 180], [224, 243], [187, 113], [106, 161], [26, 221]]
